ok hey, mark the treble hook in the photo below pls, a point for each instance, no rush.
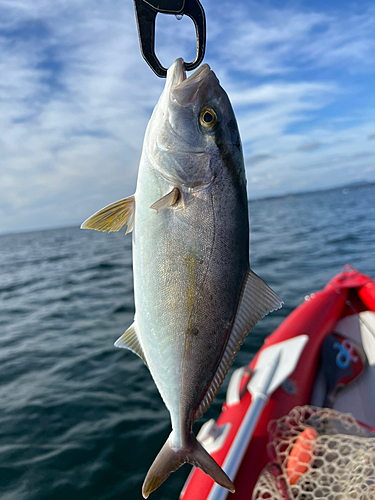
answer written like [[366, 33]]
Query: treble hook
[[146, 11]]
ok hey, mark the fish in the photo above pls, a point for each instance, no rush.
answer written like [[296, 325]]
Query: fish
[[196, 297]]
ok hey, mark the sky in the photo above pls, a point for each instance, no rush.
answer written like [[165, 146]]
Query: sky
[[76, 96]]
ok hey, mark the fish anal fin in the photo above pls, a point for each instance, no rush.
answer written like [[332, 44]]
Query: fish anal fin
[[129, 340], [257, 299], [166, 201], [113, 217]]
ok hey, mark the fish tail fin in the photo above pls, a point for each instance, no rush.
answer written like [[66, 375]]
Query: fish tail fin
[[202, 459], [170, 458]]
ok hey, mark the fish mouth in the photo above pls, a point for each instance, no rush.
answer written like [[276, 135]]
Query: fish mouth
[[177, 75]]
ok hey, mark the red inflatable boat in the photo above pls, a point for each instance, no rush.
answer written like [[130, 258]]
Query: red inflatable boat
[[323, 354]]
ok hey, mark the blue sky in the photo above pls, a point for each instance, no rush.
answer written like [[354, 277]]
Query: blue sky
[[76, 96]]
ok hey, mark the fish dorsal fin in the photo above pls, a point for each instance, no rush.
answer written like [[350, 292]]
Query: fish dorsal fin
[[113, 217], [166, 201], [129, 340], [257, 299]]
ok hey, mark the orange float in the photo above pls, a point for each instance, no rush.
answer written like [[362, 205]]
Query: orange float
[[301, 455]]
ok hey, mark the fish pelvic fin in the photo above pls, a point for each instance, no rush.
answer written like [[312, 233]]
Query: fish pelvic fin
[[113, 217], [170, 458]]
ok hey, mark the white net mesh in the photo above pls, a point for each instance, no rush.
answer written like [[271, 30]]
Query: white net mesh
[[318, 453]]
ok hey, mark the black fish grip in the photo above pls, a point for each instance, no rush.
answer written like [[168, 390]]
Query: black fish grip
[[146, 11]]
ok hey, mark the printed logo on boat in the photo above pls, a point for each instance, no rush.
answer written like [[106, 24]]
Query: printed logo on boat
[[345, 354]]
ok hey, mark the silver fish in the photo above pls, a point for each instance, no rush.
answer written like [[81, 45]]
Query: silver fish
[[196, 297]]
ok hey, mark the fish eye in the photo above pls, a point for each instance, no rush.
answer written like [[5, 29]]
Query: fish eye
[[208, 118]]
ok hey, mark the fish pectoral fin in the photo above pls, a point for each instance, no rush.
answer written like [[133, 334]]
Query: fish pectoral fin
[[129, 340], [166, 201], [257, 299], [170, 458], [113, 217]]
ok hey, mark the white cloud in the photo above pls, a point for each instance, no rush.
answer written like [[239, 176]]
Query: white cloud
[[268, 110], [276, 41], [81, 134], [342, 157]]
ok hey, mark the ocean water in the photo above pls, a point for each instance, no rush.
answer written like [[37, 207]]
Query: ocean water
[[82, 420]]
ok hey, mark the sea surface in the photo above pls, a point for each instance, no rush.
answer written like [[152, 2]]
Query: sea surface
[[81, 419]]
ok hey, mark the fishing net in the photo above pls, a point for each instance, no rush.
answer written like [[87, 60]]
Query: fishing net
[[318, 453]]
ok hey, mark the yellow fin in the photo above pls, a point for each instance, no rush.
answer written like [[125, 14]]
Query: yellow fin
[[167, 201], [129, 340], [113, 217]]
